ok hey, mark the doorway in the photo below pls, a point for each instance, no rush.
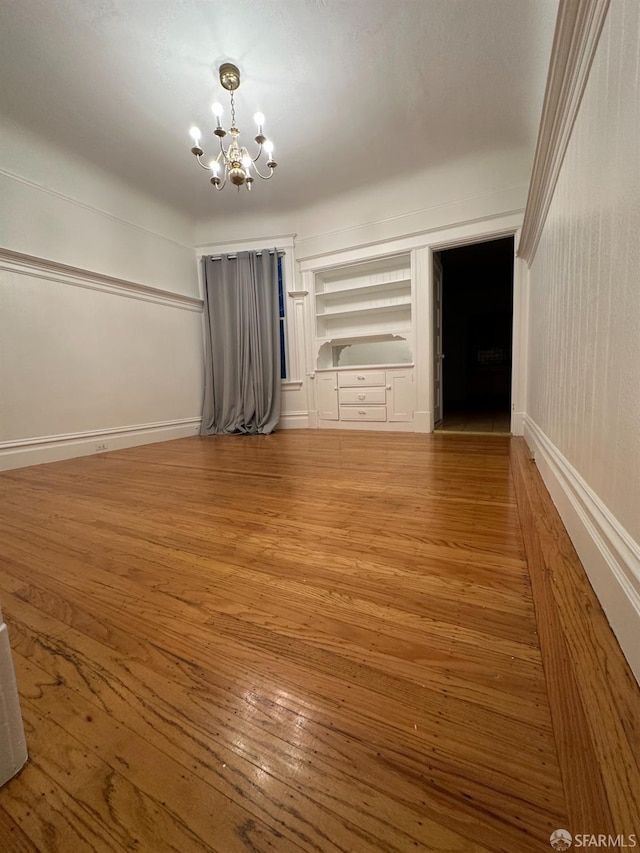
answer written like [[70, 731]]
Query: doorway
[[473, 322]]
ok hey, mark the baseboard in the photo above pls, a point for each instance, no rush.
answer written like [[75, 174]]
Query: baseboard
[[294, 420], [610, 556], [54, 448], [423, 421], [517, 423]]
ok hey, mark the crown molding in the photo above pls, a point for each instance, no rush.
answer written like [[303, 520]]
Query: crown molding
[[23, 264], [575, 41], [280, 241]]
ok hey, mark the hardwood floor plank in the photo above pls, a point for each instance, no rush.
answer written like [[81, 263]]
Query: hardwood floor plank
[[13, 837]]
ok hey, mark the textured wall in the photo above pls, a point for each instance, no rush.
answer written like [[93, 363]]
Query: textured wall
[[584, 345]]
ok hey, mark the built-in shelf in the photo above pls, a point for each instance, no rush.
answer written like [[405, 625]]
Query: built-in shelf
[[384, 366], [363, 311], [363, 289], [361, 337], [367, 309]]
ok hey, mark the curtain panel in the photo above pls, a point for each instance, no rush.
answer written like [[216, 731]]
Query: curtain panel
[[242, 344]]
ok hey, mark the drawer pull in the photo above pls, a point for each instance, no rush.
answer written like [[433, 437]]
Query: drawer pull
[[362, 396]]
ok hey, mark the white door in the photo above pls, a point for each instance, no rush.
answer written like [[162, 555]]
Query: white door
[[327, 390], [401, 395], [437, 340]]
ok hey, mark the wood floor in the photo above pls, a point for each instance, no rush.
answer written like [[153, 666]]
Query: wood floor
[[312, 641]]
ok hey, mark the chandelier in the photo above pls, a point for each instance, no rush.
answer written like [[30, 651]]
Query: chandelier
[[233, 164]]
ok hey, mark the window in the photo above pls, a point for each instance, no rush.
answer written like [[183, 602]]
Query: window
[[283, 330]]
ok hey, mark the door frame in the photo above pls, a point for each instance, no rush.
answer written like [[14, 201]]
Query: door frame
[[437, 356], [518, 330]]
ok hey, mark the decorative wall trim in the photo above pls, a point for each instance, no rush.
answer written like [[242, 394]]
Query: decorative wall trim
[[34, 184], [517, 423], [22, 264], [414, 227], [436, 238], [423, 421], [211, 247], [294, 420], [575, 41], [610, 556], [53, 448]]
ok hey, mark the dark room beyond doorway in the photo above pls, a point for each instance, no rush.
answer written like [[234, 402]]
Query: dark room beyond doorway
[[477, 320]]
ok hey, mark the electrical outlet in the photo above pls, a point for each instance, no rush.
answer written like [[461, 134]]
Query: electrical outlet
[[100, 447]]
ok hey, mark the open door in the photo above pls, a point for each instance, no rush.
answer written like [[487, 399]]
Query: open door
[[473, 313], [437, 340]]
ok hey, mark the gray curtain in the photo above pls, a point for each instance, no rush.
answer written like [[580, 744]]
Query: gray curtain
[[242, 344]]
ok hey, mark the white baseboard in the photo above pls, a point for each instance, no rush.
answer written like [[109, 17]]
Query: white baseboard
[[54, 448], [610, 556], [517, 423], [294, 420], [423, 421]]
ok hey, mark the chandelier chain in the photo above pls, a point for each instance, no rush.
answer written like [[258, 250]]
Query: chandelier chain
[[233, 111]]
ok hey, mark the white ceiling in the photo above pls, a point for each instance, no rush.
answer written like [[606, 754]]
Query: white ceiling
[[354, 91]]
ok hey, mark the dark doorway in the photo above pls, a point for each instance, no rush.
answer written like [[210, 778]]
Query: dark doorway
[[477, 322]]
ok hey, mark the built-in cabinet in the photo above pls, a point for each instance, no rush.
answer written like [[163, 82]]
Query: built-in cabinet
[[363, 344], [359, 396]]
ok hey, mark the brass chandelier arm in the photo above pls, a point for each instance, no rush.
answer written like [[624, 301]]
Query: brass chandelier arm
[[200, 163], [260, 175]]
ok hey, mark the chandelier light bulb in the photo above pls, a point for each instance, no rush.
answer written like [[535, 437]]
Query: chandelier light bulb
[[217, 109], [268, 147], [214, 166], [259, 119], [195, 134]]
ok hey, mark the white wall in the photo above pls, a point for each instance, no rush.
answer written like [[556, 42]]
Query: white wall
[[100, 331], [467, 191], [584, 339]]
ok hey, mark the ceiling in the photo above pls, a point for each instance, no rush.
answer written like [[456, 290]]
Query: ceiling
[[354, 91]]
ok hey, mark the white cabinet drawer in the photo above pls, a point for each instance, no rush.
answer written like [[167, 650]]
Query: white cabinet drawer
[[363, 395], [357, 378], [363, 413]]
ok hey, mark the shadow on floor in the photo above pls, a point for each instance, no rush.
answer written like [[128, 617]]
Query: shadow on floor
[[485, 420]]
